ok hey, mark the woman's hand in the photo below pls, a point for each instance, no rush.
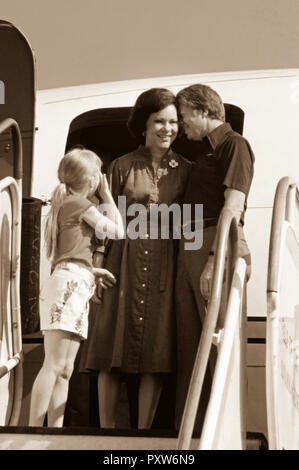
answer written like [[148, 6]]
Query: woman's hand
[[206, 279], [98, 258]]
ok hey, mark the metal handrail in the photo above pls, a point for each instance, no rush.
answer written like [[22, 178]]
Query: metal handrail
[[212, 424], [14, 185], [286, 195], [282, 210], [10, 364], [10, 123], [226, 237]]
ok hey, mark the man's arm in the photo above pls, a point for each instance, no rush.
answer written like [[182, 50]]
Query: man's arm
[[234, 200]]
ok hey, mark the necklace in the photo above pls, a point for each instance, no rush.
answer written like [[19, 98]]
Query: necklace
[[158, 172]]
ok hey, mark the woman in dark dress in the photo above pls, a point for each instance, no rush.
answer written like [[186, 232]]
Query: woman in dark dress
[[134, 330]]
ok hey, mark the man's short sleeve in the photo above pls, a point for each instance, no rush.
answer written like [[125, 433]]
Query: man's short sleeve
[[237, 164]]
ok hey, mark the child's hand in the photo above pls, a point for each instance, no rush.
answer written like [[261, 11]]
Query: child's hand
[[103, 187], [104, 277]]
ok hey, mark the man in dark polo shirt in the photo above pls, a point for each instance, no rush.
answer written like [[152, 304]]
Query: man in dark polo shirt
[[220, 178]]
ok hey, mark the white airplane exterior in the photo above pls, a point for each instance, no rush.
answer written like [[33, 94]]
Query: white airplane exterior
[[270, 101]]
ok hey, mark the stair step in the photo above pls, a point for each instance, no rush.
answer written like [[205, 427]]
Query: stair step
[[72, 438]]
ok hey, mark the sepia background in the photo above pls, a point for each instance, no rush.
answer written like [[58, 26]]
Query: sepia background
[[79, 42]]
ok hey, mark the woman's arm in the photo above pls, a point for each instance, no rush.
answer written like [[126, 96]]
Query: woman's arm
[[107, 199]]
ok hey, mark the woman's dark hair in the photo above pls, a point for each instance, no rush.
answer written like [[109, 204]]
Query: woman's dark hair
[[149, 102], [203, 98]]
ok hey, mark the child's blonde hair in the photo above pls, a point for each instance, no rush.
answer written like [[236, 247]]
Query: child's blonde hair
[[75, 170]]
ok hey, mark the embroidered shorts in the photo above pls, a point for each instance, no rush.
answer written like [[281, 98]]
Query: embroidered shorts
[[64, 300]]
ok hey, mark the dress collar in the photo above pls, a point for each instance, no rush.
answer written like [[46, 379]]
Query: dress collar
[[146, 152]]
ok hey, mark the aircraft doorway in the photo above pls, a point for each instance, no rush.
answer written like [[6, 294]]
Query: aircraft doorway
[[105, 132]]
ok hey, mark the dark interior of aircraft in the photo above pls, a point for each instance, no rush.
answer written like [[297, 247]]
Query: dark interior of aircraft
[[105, 132]]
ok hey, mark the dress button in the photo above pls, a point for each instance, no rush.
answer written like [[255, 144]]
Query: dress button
[[142, 301], [146, 252], [145, 269], [140, 318], [143, 285]]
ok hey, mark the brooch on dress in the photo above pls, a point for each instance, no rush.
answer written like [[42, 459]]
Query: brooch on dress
[[173, 163]]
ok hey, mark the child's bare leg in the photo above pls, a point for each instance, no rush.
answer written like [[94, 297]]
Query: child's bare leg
[[56, 344], [108, 394], [149, 394], [60, 392]]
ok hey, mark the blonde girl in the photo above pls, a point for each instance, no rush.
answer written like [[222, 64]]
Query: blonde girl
[[71, 225]]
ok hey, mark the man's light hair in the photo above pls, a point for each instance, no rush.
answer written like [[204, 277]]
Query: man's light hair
[[203, 98]]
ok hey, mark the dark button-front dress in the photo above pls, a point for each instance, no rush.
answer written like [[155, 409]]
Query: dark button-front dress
[[134, 328]]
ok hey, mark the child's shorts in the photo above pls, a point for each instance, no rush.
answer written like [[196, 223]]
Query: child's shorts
[[64, 300]]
